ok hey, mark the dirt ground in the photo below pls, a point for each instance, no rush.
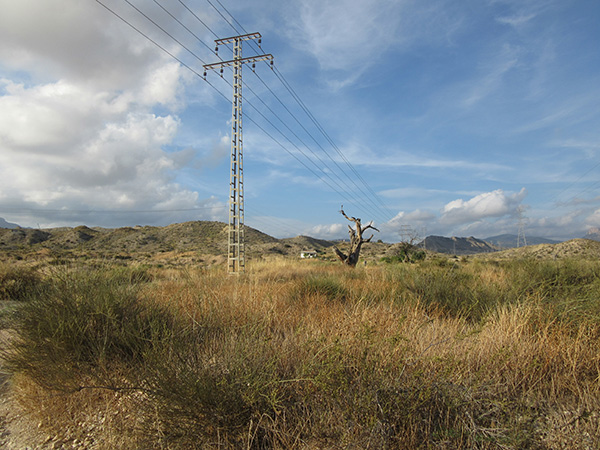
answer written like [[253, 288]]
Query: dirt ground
[[17, 430]]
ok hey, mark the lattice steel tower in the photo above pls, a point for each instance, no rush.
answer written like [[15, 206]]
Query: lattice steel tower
[[236, 261]]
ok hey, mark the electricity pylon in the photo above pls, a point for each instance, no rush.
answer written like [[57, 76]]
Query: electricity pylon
[[236, 248]]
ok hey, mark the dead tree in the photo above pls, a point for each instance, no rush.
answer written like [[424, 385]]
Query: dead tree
[[356, 241]]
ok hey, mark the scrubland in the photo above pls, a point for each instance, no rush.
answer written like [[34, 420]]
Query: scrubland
[[308, 355]]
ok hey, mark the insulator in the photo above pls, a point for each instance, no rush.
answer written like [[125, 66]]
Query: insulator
[[253, 66], [259, 42], [271, 64], [221, 71], [204, 74], [217, 49]]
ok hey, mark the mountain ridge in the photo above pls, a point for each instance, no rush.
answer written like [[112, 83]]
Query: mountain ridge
[[457, 245], [209, 238]]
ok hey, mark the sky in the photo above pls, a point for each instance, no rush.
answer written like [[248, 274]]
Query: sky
[[429, 117]]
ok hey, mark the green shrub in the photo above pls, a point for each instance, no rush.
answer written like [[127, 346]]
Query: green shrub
[[18, 282], [406, 253]]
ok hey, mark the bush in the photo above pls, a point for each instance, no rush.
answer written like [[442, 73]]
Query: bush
[[406, 253], [18, 282]]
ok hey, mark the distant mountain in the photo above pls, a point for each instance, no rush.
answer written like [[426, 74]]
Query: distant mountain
[[5, 224], [510, 240], [457, 245], [593, 234]]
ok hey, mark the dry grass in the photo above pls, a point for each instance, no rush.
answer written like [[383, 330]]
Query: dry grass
[[298, 355]]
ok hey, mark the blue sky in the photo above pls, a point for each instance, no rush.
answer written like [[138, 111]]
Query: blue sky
[[456, 115]]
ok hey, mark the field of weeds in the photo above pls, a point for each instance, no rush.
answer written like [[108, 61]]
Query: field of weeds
[[308, 355]]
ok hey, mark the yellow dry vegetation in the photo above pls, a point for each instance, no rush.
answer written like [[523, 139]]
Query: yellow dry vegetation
[[307, 354]]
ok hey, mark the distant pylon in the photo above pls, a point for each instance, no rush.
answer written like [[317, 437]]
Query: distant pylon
[[521, 240], [236, 261], [407, 233]]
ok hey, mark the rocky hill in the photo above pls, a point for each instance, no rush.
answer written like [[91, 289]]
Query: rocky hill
[[457, 245], [593, 234], [5, 224]]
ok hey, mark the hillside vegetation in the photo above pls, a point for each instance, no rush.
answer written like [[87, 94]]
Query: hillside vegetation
[[575, 248], [473, 354]]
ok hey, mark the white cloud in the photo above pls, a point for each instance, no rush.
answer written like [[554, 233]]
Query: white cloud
[[345, 32], [594, 219], [78, 127], [523, 12], [411, 218], [365, 156], [487, 205], [516, 20], [493, 73], [332, 231], [349, 36]]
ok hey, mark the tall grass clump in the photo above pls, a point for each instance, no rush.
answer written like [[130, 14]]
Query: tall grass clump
[[325, 286], [85, 327]]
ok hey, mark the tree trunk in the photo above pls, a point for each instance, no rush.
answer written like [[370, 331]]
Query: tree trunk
[[356, 241]]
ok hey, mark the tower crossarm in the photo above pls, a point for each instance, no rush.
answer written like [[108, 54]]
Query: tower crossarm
[[243, 37], [230, 63]]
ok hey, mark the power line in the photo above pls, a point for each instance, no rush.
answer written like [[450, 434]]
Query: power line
[[150, 39], [225, 18], [183, 25], [310, 115], [164, 31], [210, 84], [249, 103], [258, 97], [317, 143], [198, 18], [385, 213], [313, 119], [575, 182], [322, 130]]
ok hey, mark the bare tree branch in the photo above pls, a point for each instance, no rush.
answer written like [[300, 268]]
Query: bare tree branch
[[356, 240]]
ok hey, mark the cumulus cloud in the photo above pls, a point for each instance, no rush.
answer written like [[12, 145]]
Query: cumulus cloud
[[79, 127], [487, 205], [415, 217], [482, 215], [333, 231], [593, 220]]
